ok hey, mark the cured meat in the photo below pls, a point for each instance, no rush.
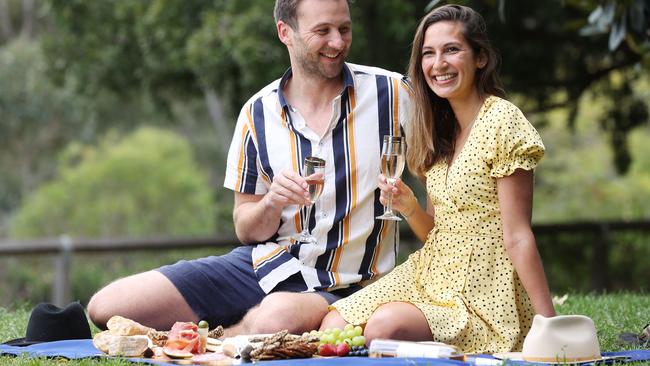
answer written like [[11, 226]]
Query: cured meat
[[184, 336]]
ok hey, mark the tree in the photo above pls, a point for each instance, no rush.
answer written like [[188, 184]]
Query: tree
[[20, 18], [181, 48], [38, 118], [554, 51], [144, 184]]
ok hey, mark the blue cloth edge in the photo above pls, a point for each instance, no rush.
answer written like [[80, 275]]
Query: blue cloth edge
[[84, 348]]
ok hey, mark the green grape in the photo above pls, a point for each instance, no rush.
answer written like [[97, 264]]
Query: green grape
[[359, 341], [348, 327], [336, 331], [350, 333], [358, 330], [329, 338]]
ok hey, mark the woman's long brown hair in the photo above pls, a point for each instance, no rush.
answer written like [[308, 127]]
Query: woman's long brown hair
[[432, 127]]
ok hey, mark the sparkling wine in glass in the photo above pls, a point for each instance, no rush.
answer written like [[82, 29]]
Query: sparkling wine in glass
[[314, 173], [392, 166]]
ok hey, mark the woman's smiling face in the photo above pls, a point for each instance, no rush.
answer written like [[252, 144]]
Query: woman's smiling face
[[449, 63]]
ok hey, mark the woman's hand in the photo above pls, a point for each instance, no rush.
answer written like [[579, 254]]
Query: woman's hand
[[403, 198]]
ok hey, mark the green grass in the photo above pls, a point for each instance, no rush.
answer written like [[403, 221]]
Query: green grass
[[612, 313]]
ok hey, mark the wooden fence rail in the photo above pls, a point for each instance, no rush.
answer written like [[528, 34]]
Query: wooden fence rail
[[64, 247]]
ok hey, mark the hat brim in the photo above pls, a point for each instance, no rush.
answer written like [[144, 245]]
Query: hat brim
[[519, 356], [21, 342]]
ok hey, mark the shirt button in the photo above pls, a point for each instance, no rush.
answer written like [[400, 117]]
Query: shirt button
[[324, 214]]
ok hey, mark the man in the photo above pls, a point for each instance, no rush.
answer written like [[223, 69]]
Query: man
[[321, 107]]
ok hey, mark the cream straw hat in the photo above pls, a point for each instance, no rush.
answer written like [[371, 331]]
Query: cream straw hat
[[560, 339]]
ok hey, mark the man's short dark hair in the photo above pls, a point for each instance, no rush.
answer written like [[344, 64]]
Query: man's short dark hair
[[286, 11]]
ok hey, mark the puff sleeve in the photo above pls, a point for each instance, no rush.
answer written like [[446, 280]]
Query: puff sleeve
[[516, 143]]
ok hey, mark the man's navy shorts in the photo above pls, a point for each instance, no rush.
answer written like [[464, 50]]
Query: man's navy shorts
[[221, 289]]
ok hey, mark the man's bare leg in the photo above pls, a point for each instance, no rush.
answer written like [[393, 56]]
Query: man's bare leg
[[148, 298], [296, 312]]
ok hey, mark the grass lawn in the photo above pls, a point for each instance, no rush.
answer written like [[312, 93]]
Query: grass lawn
[[612, 313]]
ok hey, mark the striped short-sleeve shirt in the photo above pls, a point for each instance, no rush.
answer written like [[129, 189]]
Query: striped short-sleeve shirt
[[270, 136]]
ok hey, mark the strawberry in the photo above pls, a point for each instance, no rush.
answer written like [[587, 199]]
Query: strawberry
[[342, 349], [327, 350]]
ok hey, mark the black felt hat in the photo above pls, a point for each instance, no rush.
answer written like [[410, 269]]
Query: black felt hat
[[49, 322]]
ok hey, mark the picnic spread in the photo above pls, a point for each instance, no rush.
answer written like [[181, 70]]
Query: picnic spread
[[56, 332], [198, 344]]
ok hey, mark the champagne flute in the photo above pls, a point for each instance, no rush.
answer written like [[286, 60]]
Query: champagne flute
[[314, 173], [392, 166]]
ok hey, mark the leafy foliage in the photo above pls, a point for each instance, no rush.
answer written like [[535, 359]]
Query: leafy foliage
[[580, 183], [37, 117], [142, 184], [179, 49], [626, 21]]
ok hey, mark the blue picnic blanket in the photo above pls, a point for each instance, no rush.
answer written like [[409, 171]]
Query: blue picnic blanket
[[83, 348]]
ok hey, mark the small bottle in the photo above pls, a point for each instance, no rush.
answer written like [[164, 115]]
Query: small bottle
[[203, 335]]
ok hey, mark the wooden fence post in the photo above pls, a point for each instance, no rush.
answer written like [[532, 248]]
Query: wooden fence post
[[600, 255], [61, 286]]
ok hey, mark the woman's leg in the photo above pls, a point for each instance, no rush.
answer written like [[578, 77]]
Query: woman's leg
[[398, 320], [333, 320]]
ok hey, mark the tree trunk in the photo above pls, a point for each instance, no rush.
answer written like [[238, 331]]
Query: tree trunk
[[29, 16], [6, 29], [215, 110]]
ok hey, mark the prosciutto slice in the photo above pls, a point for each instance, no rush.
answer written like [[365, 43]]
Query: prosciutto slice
[[184, 336]]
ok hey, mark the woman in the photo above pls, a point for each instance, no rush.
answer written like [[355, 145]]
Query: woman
[[479, 279]]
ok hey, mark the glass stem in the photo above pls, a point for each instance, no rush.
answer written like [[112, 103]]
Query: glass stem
[[305, 230], [389, 206]]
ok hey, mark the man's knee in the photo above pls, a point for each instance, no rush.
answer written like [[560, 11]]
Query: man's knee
[[295, 312], [148, 298], [99, 307]]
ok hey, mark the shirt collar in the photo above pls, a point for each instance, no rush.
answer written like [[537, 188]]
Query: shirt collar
[[348, 82]]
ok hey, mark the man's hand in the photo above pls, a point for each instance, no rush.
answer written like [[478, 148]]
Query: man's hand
[[257, 217], [288, 188]]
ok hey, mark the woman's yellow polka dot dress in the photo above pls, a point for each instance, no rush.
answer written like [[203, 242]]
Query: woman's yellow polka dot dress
[[462, 279]]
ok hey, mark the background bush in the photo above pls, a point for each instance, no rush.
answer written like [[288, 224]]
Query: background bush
[[146, 182]]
